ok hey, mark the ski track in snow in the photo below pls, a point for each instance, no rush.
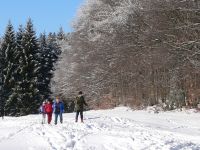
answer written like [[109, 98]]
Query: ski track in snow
[[10, 135], [101, 131]]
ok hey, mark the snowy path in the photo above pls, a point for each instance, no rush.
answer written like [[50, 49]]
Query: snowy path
[[118, 129]]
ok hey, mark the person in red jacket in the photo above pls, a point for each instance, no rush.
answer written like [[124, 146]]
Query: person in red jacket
[[49, 110]]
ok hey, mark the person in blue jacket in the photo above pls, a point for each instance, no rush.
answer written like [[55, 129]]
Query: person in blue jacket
[[58, 109]]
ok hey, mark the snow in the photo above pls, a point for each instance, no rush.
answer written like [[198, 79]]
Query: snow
[[115, 129]]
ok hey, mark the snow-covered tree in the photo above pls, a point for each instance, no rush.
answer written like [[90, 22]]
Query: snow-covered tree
[[136, 51], [61, 34], [54, 47], [7, 54], [15, 99], [46, 67], [26, 68], [2, 102], [29, 66]]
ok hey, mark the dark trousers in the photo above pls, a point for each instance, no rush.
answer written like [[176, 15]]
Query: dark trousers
[[56, 118], [49, 116], [77, 114]]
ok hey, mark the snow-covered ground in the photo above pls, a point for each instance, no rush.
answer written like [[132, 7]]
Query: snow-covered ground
[[116, 129]]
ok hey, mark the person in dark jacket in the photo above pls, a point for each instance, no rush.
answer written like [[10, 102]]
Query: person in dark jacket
[[79, 105], [58, 109], [49, 111]]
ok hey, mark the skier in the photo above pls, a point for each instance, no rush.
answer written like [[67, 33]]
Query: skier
[[49, 110], [79, 103], [58, 109], [42, 110]]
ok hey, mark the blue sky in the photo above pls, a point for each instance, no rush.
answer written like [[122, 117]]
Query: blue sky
[[47, 15]]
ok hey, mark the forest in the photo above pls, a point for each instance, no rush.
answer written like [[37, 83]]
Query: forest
[[135, 53], [26, 68]]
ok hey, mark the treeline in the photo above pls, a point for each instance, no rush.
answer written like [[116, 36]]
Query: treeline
[[26, 68], [134, 52]]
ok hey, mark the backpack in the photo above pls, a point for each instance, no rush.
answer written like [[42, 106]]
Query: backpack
[[57, 108], [78, 100], [79, 103]]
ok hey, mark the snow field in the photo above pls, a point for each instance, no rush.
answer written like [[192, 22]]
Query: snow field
[[116, 129]]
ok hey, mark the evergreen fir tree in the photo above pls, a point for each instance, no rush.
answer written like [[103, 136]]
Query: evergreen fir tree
[[53, 35], [61, 34], [50, 52], [8, 68], [15, 98], [1, 84], [54, 47], [26, 69], [46, 67], [29, 71]]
